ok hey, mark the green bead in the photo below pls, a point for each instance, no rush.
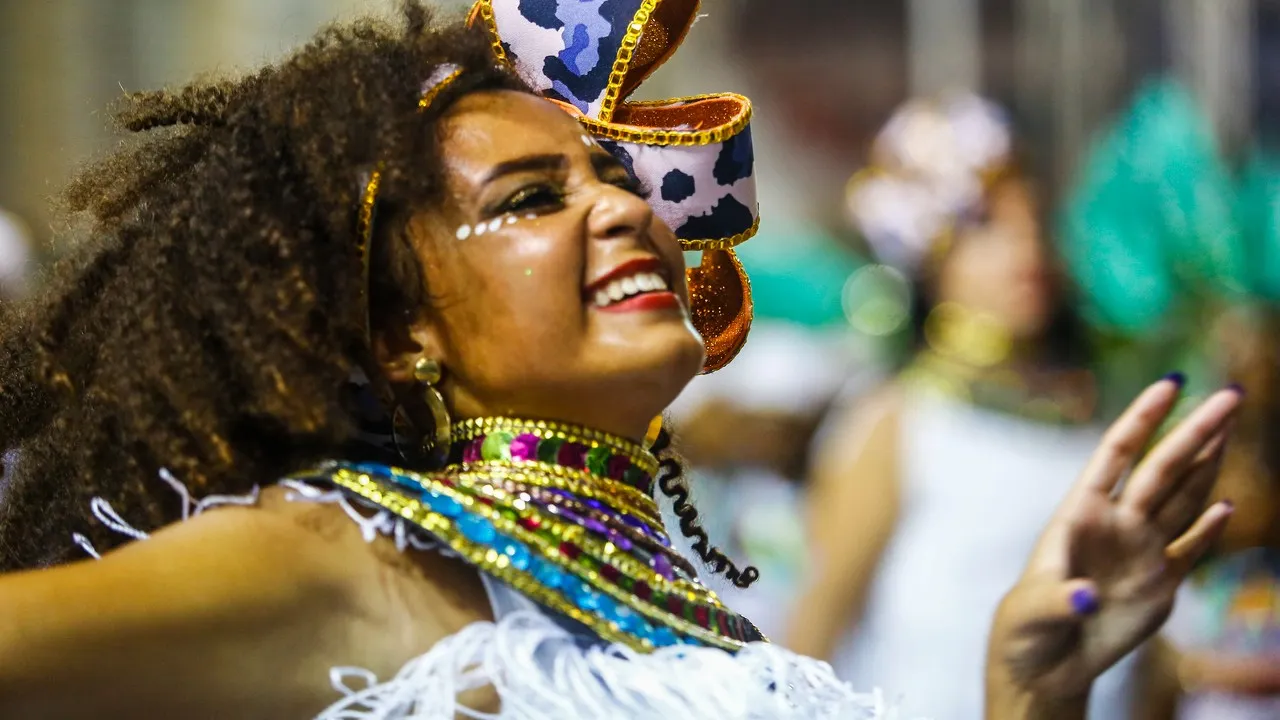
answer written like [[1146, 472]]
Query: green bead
[[635, 477], [549, 450], [598, 461], [497, 446]]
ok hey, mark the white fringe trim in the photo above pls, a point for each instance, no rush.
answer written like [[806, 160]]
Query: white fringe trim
[[541, 673], [108, 516]]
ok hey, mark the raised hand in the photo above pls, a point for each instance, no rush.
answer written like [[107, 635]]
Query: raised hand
[[1102, 578]]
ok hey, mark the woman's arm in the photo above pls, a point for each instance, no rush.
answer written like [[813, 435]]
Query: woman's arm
[[852, 510], [236, 613]]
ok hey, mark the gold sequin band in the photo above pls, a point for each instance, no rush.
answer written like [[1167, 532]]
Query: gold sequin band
[[471, 429]]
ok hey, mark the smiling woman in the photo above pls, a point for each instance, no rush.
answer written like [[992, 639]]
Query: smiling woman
[[434, 323]]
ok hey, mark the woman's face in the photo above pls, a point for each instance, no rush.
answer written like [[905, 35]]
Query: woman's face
[[999, 266], [554, 290]]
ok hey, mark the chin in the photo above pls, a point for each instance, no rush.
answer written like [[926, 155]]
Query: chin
[[657, 362]]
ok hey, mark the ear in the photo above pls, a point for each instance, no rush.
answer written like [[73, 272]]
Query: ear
[[398, 347]]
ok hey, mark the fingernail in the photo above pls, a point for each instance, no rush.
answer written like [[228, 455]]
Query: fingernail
[[1236, 388], [1229, 505], [1176, 378], [1084, 601]]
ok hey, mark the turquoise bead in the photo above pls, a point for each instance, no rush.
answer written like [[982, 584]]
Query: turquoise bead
[[586, 598], [517, 553], [548, 574], [477, 529], [664, 637], [442, 504]]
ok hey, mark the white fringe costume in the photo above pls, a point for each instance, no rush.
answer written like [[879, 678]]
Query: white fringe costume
[[547, 668]]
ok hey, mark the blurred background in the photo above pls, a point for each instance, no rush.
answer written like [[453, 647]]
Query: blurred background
[[986, 224]]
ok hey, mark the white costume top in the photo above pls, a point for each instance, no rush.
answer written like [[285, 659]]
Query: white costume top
[[978, 487]]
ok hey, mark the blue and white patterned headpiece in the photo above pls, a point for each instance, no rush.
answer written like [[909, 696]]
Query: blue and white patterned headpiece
[[694, 153]]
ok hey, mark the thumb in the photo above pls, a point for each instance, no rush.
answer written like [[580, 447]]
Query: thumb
[[1054, 602], [1038, 625]]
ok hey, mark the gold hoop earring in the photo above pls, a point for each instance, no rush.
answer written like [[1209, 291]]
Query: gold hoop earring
[[435, 446]]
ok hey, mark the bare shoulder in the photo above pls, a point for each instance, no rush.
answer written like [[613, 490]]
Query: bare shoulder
[[290, 589], [865, 433]]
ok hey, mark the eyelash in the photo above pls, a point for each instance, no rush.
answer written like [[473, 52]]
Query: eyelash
[[546, 197]]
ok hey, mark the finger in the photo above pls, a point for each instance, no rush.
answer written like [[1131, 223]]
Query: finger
[[1164, 469], [1185, 505], [1182, 554], [1129, 435]]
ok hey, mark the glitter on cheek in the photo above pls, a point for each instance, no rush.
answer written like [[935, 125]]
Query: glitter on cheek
[[528, 272]]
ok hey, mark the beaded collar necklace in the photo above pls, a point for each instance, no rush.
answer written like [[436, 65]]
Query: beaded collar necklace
[[566, 516]]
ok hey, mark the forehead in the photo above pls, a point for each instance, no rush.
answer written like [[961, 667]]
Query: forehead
[[490, 127]]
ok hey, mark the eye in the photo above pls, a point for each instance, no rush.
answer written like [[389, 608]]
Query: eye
[[534, 198]]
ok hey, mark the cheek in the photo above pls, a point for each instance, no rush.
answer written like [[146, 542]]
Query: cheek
[[516, 286]]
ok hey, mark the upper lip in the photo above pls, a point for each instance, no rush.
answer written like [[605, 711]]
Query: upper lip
[[631, 267]]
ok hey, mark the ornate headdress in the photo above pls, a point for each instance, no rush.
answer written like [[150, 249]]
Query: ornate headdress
[[694, 153], [929, 167]]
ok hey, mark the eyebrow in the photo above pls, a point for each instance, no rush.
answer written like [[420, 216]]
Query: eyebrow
[[603, 161], [532, 163]]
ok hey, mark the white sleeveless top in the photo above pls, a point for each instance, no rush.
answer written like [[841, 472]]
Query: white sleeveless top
[[978, 487]]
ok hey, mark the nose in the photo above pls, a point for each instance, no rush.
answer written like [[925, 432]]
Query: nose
[[617, 213]]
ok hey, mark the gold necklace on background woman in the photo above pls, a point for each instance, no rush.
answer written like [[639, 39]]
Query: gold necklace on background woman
[[972, 357]]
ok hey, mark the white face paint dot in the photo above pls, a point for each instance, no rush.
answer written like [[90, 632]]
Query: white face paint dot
[[587, 141], [464, 232], [511, 219], [481, 228], [494, 225], [530, 216]]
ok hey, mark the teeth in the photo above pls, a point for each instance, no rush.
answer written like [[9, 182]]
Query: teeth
[[629, 286]]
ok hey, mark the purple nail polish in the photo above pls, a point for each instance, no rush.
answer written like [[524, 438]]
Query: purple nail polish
[[1230, 505], [1236, 388], [1084, 601], [1176, 378]]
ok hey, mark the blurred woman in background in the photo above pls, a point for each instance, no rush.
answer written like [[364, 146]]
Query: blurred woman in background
[[1224, 635], [928, 496]]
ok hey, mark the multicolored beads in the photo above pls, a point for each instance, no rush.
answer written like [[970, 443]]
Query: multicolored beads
[[625, 594], [600, 454]]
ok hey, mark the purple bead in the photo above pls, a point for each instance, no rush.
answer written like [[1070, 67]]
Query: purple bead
[[662, 566], [471, 454], [594, 525], [622, 541], [524, 447], [618, 466], [573, 455], [632, 521], [591, 502]]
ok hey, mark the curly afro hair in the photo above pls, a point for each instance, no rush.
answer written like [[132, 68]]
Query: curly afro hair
[[210, 316]]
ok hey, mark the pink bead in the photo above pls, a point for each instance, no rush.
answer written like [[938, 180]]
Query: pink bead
[[525, 447]]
